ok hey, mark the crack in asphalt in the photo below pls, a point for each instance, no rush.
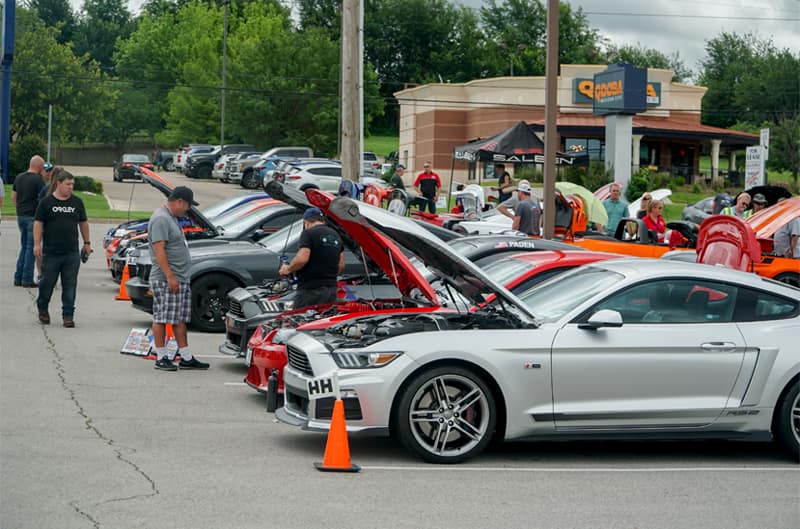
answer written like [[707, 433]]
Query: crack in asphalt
[[58, 362]]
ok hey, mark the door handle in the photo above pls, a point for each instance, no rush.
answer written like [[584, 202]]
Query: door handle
[[722, 347]]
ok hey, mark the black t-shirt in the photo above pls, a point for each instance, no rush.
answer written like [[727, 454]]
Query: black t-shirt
[[60, 218], [27, 185], [322, 267]]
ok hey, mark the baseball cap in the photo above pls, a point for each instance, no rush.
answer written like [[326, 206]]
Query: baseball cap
[[182, 193], [525, 188], [313, 214], [761, 199], [47, 166], [400, 166]]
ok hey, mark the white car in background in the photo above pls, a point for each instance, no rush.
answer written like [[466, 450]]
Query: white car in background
[[322, 174]]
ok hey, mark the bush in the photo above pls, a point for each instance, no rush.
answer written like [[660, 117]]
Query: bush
[[696, 189], [86, 183], [639, 184], [20, 154], [678, 181]]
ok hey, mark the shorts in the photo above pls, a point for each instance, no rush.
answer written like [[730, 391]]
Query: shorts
[[169, 307]]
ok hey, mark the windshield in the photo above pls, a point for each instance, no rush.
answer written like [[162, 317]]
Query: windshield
[[504, 270], [283, 238], [239, 219], [554, 298]]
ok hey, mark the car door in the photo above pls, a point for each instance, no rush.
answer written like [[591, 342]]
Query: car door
[[327, 178], [672, 363]]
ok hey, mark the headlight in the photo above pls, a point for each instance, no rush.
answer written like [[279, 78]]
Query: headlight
[[364, 360], [120, 232]]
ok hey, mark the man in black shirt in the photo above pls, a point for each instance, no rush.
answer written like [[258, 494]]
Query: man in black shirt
[[318, 262], [55, 241], [25, 195]]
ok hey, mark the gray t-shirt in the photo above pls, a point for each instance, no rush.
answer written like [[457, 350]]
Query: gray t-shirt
[[783, 237], [529, 215], [164, 227]]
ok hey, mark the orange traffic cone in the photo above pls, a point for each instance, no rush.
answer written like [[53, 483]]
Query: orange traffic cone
[[123, 293], [168, 334], [337, 450]]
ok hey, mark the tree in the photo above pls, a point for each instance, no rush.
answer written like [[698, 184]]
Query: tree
[[517, 30], [101, 23], [57, 14], [644, 57], [46, 72], [324, 14]]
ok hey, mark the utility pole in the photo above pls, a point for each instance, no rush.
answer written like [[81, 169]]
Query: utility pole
[[351, 113], [6, 58], [550, 119], [226, 3]]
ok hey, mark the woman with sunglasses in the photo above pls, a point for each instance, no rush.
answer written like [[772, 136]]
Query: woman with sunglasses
[[654, 221]]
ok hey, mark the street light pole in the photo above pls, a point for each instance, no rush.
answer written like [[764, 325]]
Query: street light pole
[[224, 75]]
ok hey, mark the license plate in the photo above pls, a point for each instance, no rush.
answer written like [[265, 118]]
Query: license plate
[[132, 260], [248, 358]]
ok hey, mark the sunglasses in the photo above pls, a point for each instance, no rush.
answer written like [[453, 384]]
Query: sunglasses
[[645, 198]]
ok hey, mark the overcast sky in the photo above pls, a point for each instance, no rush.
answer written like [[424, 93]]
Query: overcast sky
[[678, 25]]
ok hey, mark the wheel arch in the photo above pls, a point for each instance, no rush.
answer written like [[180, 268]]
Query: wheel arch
[[497, 393], [779, 402], [196, 275], [309, 186]]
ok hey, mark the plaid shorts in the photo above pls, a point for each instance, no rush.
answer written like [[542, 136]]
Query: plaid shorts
[[169, 307]]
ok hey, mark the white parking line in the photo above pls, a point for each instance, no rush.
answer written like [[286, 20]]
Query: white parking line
[[234, 384], [217, 356], [555, 470]]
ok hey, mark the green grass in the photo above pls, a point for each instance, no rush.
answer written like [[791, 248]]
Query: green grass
[[96, 208], [381, 145]]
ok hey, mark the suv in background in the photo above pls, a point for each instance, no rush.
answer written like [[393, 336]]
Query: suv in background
[[314, 173], [202, 165], [370, 165], [183, 153], [289, 152]]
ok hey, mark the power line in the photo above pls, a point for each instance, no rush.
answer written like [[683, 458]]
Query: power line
[[670, 15]]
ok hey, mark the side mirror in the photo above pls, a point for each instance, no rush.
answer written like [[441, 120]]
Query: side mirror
[[602, 318]]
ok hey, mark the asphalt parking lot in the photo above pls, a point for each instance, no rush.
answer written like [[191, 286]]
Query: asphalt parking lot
[[94, 438]]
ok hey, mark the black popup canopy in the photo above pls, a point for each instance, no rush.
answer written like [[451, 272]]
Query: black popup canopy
[[508, 145]]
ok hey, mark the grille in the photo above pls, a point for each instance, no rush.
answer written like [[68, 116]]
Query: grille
[[235, 307], [299, 360], [324, 408]]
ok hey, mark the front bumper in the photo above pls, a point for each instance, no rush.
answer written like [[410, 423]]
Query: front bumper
[[238, 331], [140, 294], [367, 394]]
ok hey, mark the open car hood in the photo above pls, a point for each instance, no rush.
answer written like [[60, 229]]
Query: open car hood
[[166, 187], [383, 252], [767, 221], [469, 280], [728, 241]]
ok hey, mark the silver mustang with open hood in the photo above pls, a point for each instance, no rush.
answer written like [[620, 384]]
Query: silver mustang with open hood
[[619, 349]]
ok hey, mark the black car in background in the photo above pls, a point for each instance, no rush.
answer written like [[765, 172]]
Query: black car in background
[[201, 165], [128, 166]]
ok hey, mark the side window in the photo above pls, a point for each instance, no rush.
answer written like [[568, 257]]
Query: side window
[[673, 301], [756, 305], [277, 222], [539, 278]]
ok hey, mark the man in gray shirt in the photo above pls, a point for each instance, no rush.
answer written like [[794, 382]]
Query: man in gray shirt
[[169, 280], [527, 214]]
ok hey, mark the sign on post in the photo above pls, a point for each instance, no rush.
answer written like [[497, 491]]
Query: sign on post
[[765, 144], [753, 171]]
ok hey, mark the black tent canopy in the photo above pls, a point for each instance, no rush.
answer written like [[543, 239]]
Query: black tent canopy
[[519, 144]]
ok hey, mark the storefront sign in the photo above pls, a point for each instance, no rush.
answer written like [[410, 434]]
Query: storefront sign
[[539, 159], [583, 92], [753, 171], [620, 89]]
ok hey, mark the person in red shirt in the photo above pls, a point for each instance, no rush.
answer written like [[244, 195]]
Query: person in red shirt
[[428, 185], [654, 221]]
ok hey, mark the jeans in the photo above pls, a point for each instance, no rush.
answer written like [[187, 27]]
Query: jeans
[[305, 297], [431, 204], [25, 261], [67, 266]]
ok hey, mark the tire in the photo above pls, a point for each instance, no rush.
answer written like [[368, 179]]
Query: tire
[[210, 301], [169, 165], [467, 395], [117, 178], [789, 278], [249, 180], [204, 171], [787, 421]]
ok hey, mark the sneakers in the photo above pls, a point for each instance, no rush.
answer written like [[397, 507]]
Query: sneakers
[[17, 283], [69, 322], [194, 363], [44, 317], [165, 364], [30, 285]]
